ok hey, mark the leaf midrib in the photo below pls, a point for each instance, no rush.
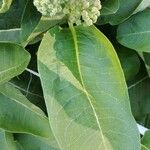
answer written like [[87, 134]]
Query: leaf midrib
[[73, 31]]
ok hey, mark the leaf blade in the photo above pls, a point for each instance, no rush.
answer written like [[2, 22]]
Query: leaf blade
[[13, 60], [66, 99]]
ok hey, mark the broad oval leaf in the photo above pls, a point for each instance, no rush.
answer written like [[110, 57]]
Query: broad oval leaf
[[13, 61], [135, 32], [19, 115], [85, 91]]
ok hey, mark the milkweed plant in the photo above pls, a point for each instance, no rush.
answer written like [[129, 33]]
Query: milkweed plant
[[74, 75]]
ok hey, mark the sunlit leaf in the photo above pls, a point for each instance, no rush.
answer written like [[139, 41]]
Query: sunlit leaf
[[85, 91]]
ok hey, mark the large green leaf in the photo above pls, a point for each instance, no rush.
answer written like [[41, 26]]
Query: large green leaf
[[13, 60], [6, 141], [17, 114], [85, 91], [135, 32]]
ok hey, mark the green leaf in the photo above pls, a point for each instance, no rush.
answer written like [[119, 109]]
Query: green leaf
[[140, 98], [10, 26], [85, 91], [12, 18], [18, 115], [135, 32], [126, 9], [130, 61], [13, 60], [146, 57], [109, 7], [144, 147], [146, 139], [30, 86], [11, 35], [6, 141], [34, 24], [30, 19], [30, 142], [144, 4], [5, 5]]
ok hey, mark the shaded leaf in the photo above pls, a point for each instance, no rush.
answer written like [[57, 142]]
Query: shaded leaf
[[11, 35], [13, 61], [146, 57], [12, 18], [34, 24], [109, 7], [30, 86], [140, 98], [130, 61], [17, 114], [126, 9], [135, 32], [30, 142]]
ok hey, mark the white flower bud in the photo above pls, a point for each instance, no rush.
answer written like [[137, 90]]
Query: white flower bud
[[77, 11]]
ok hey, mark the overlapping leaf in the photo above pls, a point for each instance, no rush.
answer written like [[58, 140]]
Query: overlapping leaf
[[85, 91], [126, 9], [29, 142], [109, 7], [17, 114], [135, 32], [13, 60], [34, 24]]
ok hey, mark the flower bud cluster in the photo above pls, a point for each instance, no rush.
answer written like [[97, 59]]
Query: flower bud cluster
[[49, 7], [78, 11], [86, 11]]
